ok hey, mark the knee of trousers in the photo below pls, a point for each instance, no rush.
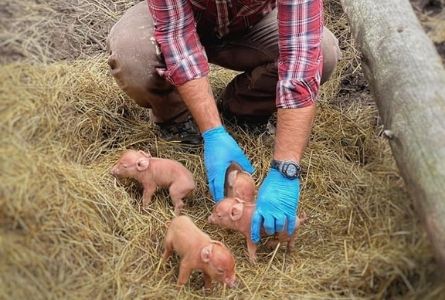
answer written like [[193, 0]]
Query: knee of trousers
[[134, 69], [331, 54], [138, 80], [134, 56]]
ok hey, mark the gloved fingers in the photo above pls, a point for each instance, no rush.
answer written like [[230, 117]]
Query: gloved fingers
[[291, 224], [280, 222], [255, 227], [212, 187], [218, 185], [269, 224]]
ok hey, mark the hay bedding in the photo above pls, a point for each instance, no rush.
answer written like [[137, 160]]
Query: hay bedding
[[69, 230]]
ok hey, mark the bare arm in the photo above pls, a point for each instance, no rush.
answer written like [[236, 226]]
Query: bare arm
[[293, 131], [197, 95], [185, 59]]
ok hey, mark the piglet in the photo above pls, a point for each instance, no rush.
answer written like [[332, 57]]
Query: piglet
[[236, 214], [198, 252], [239, 184], [152, 172]]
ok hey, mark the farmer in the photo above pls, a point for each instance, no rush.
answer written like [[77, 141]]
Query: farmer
[[160, 55]]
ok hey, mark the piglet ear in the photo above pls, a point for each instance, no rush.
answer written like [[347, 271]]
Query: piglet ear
[[237, 211], [148, 155], [142, 164], [206, 253], [239, 200], [231, 177]]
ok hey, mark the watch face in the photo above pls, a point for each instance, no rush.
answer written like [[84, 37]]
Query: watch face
[[291, 170], [288, 169]]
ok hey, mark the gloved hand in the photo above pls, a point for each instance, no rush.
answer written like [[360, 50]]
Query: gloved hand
[[276, 205], [220, 149]]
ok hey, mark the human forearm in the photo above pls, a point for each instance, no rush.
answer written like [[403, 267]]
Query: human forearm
[[293, 131], [197, 95]]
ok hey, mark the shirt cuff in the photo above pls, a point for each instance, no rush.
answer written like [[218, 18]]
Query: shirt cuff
[[188, 68], [295, 93]]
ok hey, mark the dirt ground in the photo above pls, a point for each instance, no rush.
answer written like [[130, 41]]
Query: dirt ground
[[431, 14], [371, 245]]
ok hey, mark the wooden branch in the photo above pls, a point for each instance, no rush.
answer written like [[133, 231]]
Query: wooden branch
[[407, 79]]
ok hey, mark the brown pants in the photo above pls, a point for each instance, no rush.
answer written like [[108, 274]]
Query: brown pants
[[133, 61]]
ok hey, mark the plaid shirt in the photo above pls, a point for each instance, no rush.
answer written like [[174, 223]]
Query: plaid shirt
[[300, 27]]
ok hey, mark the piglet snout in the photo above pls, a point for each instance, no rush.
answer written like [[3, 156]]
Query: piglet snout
[[210, 219], [231, 282], [113, 171]]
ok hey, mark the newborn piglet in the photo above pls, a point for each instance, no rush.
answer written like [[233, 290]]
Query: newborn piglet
[[239, 184], [235, 214], [198, 252], [153, 172]]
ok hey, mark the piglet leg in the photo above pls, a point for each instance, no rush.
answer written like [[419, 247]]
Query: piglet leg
[[179, 205], [300, 221], [148, 194], [184, 273], [291, 242], [273, 242], [251, 249], [177, 193], [207, 282], [168, 250]]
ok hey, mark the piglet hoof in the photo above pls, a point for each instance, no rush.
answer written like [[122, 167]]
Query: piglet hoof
[[253, 260], [178, 208], [165, 257], [207, 290], [272, 244], [178, 211], [290, 249]]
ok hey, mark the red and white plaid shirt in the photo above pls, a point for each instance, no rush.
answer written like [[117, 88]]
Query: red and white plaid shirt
[[300, 27]]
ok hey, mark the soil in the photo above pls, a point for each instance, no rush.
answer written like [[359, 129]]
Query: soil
[[431, 14]]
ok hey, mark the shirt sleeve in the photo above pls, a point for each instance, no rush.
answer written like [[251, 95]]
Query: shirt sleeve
[[300, 28], [175, 32]]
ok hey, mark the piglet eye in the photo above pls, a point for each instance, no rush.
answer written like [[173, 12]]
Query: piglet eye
[[125, 166], [220, 271], [219, 216]]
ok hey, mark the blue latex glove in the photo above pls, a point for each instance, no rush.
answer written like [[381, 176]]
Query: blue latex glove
[[220, 149], [276, 206]]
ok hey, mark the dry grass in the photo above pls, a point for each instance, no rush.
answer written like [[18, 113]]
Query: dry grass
[[69, 230], [51, 30]]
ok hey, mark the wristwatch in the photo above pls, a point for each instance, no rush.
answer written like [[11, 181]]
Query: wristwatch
[[288, 168]]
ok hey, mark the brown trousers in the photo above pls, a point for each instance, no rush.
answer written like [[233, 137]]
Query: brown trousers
[[133, 61]]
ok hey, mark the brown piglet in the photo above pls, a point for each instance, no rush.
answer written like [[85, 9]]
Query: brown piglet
[[236, 214], [239, 184], [153, 172], [198, 252]]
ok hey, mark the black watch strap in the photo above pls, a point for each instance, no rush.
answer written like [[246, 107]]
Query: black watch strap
[[289, 169]]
